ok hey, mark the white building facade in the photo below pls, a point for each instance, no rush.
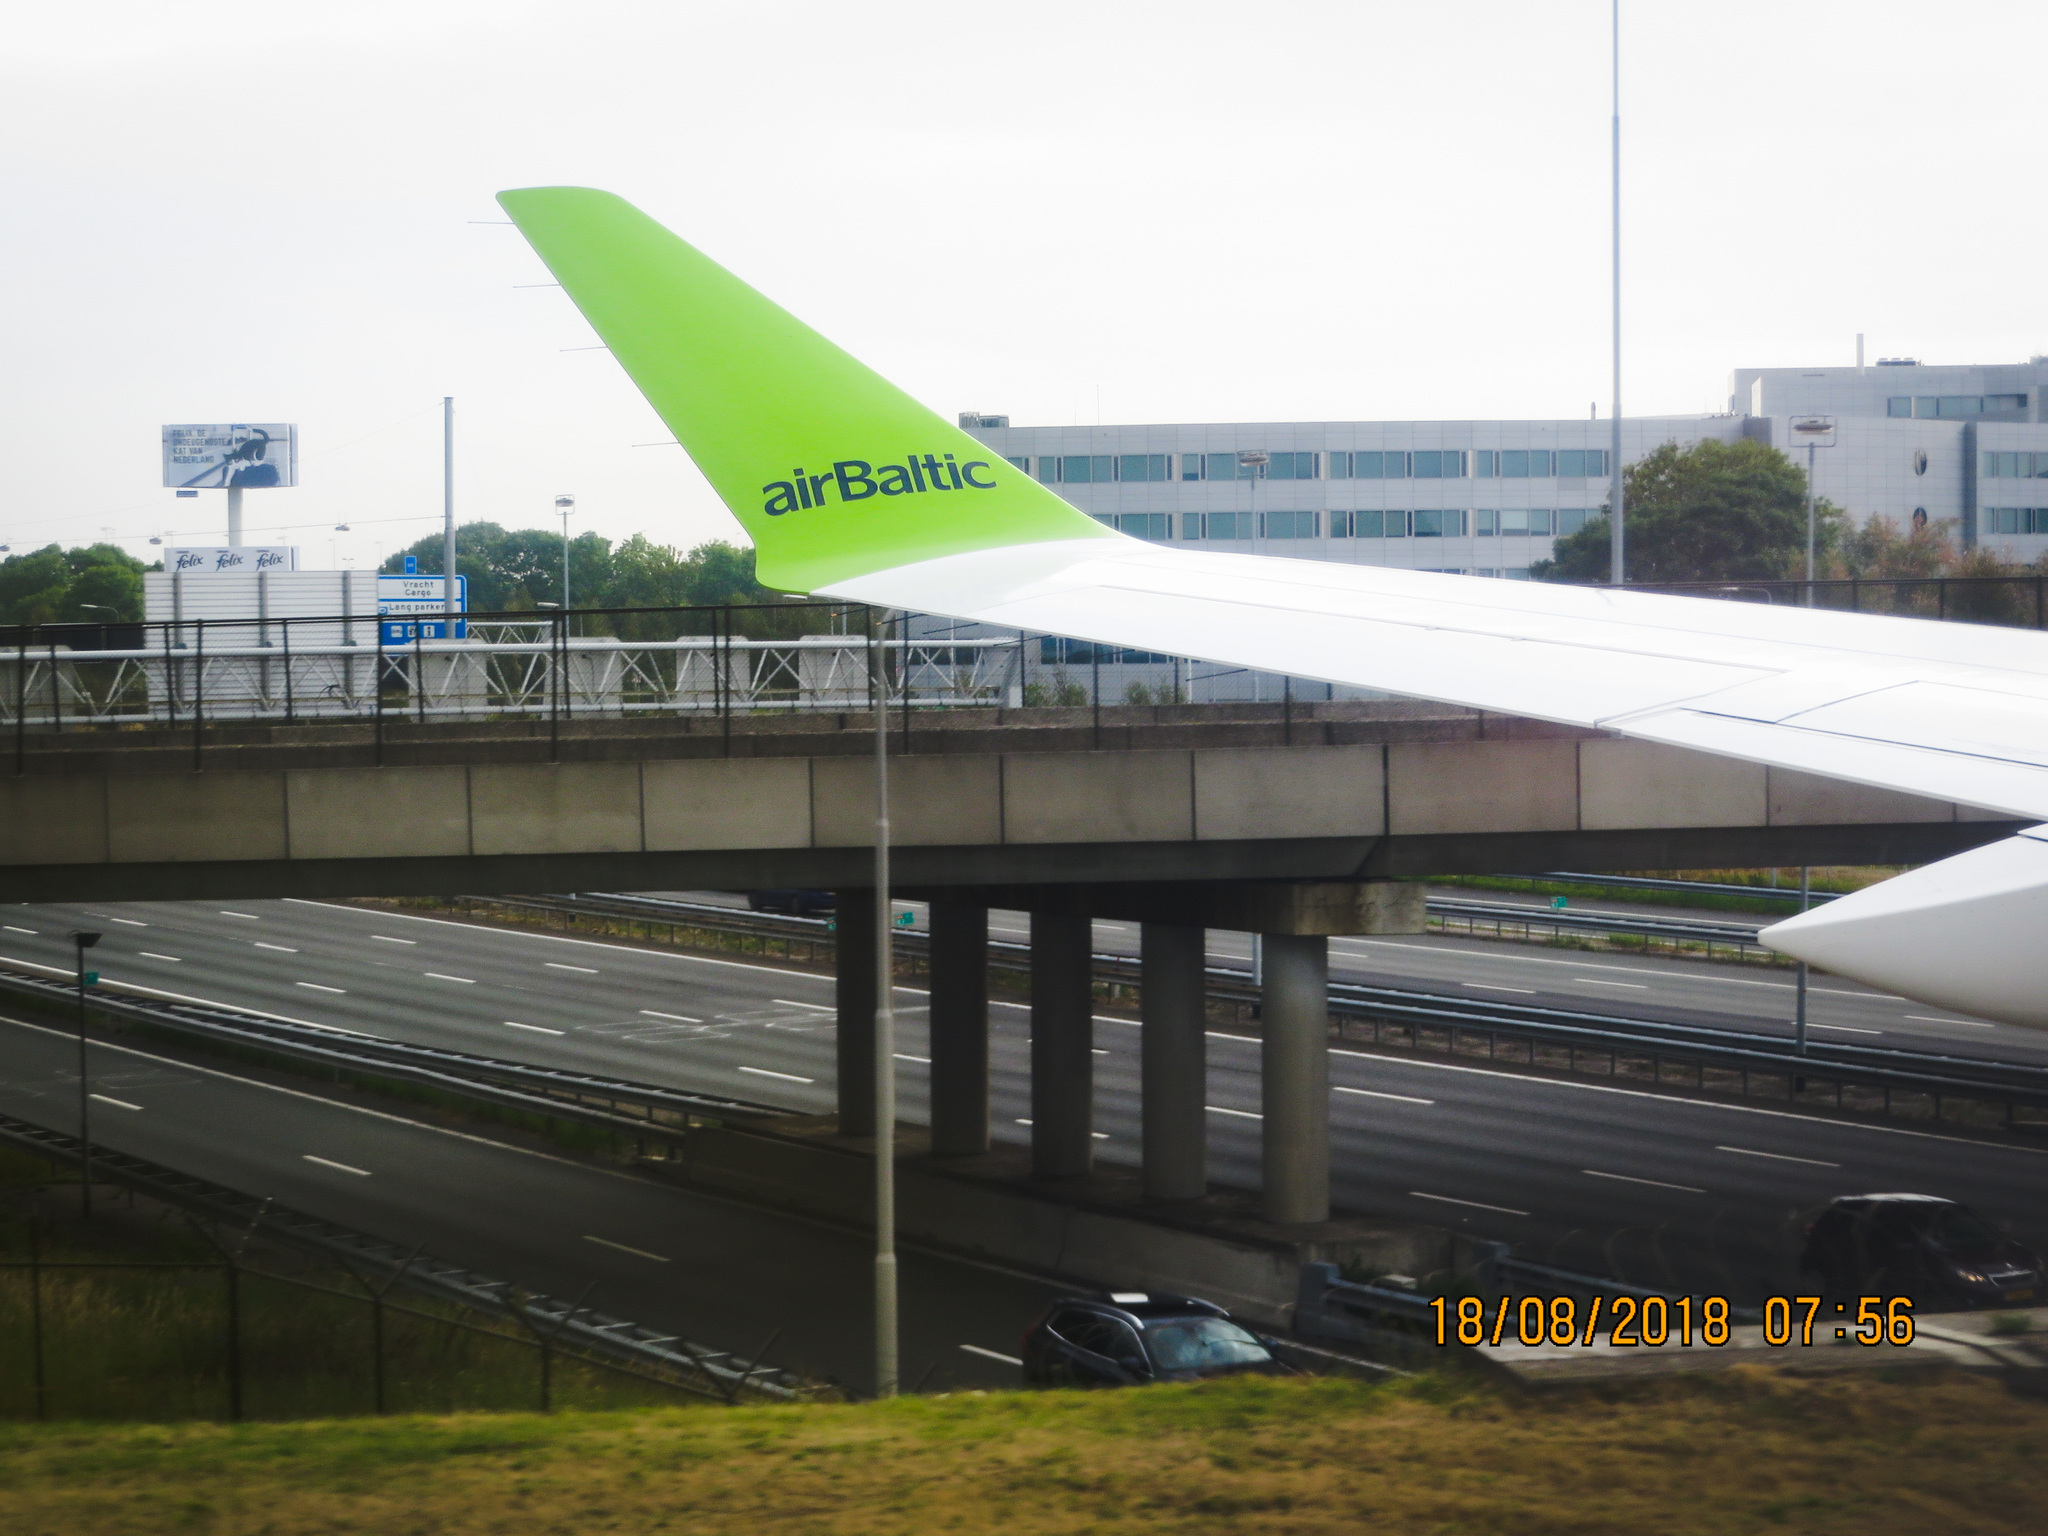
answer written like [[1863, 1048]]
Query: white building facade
[[1966, 446]]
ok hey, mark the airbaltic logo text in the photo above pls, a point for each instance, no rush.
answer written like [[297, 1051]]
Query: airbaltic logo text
[[857, 480]]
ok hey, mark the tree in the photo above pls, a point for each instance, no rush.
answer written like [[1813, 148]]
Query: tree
[[53, 585], [514, 571], [1711, 512]]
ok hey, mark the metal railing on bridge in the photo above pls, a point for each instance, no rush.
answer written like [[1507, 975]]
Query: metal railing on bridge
[[710, 662]]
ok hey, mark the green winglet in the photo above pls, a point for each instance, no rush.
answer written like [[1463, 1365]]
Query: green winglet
[[832, 470]]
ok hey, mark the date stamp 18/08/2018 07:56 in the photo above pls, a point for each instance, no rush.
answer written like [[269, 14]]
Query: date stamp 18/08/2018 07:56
[[1628, 1322]]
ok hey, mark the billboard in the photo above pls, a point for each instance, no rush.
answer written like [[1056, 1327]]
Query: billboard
[[1814, 431], [239, 456], [415, 608], [213, 559]]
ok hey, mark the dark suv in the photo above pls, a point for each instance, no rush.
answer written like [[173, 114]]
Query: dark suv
[[1939, 1252], [1125, 1338]]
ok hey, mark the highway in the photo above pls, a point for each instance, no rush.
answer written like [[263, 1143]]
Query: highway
[[714, 1271], [1647, 1186]]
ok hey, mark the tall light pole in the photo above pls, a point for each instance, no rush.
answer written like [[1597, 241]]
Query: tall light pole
[[565, 505], [886, 1368], [84, 939], [1616, 536], [448, 517]]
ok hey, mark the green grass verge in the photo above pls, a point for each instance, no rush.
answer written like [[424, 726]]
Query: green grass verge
[[1742, 1451]]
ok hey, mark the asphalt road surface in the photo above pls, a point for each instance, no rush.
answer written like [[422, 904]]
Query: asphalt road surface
[[1645, 1186], [713, 1271]]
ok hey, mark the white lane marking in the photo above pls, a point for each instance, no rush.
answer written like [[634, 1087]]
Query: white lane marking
[[1627, 1178], [790, 1002], [926, 1060], [1847, 1029], [326, 1162], [638, 1253], [679, 1018], [1368, 1093], [990, 1354], [1921, 1018], [186, 997], [1242, 1114], [467, 981], [1487, 986], [1021, 1121], [12, 929], [385, 938], [1779, 1157], [1733, 1109], [1595, 981], [556, 965], [117, 1103], [69, 1036], [283, 949], [1478, 1205], [1096, 1050], [550, 938], [314, 986], [1100, 1135], [1103, 1018], [1627, 970], [150, 954], [787, 1077], [1221, 1034], [130, 921], [538, 1029], [248, 917]]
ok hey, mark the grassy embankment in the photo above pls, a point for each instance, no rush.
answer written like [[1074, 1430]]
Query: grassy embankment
[[1746, 1451], [153, 1343]]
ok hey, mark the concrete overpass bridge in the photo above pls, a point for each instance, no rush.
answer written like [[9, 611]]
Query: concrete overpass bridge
[[1286, 820]]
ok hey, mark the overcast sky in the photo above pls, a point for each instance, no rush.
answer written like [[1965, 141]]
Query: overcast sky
[[1142, 212]]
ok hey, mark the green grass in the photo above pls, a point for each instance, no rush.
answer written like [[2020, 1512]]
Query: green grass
[[154, 1343], [1743, 1451], [1834, 880]]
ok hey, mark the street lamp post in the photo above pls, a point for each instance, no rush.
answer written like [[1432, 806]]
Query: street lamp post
[[886, 1351], [565, 505], [84, 939]]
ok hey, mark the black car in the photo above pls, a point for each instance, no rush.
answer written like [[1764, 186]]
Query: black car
[[795, 903], [1125, 1338], [1939, 1252]]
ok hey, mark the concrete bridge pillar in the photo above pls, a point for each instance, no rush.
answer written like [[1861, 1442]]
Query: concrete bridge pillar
[[959, 1026], [1174, 1064], [1062, 1046], [1295, 1078], [853, 943]]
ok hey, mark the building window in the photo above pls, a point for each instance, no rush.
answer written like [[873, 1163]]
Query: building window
[[2013, 519], [1516, 522], [1141, 466], [1430, 464], [1023, 464], [1057, 651], [1216, 525], [1086, 468], [1290, 525], [1953, 407], [1369, 466], [2016, 466], [1581, 463], [1571, 519], [1433, 524], [1156, 526], [1292, 466]]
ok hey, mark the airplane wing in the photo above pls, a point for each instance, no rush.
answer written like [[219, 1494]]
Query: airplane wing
[[850, 488]]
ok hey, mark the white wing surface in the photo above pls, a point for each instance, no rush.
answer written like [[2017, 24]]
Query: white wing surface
[[1955, 711]]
